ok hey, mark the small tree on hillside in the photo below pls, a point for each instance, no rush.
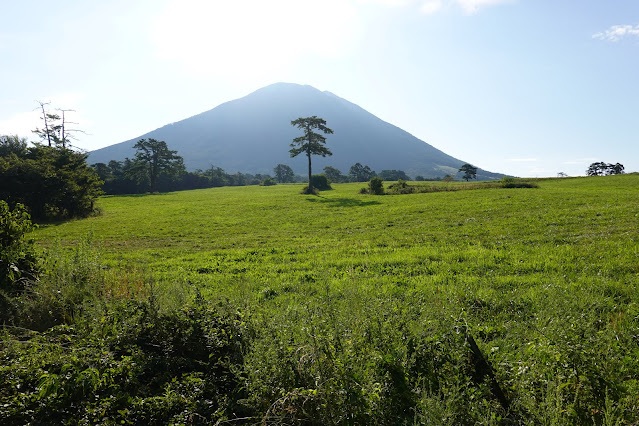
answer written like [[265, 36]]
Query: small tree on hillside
[[284, 173], [153, 159], [311, 143], [470, 172]]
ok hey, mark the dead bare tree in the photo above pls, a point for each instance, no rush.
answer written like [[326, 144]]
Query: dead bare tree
[[55, 130], [45, 117], [66, 134]]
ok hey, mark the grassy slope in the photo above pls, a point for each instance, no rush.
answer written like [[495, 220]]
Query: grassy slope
[[546, 279]]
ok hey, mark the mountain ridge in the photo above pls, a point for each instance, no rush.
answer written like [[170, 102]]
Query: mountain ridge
[[252, 134]]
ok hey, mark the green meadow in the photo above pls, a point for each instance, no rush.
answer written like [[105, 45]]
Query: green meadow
[[481, 305]]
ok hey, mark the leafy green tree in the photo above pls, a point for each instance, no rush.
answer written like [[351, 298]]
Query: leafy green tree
[[597, 169], [154, 159], [217, 176], [616, 169], [470, 172], [12, 144], [334, 175], [602, 169], [360, 173], [311, 143], [284, 173]]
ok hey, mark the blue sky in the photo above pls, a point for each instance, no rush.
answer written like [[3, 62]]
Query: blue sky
[[522, 87]]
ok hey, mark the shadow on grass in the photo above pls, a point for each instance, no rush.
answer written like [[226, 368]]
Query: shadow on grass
[[342, 202]]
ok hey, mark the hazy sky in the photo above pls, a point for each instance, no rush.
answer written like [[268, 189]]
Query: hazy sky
[[523, 87]]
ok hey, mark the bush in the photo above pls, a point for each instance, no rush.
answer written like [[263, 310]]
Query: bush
[[376, 186], [53, 182], [18, 261], [321, 182], [269, 181], [511, 182], [401, 187], [129, 364]]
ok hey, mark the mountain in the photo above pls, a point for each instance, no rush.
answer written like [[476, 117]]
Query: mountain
[[252, 135]]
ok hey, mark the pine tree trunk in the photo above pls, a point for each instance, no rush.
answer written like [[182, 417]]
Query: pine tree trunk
[[310, 184]]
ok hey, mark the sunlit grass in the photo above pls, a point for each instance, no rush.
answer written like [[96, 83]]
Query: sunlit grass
[[545, 278]]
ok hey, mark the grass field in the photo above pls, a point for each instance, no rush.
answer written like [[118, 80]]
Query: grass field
[[365, 309]]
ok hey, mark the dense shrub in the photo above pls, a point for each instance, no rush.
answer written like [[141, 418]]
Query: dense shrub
[[376, 186], [511, 182], [132, 365], [18, 260], [268, 182], [321, 182], [53, 182], [401, 187]]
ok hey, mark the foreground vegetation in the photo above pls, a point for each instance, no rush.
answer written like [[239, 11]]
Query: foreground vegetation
[[259, 305]]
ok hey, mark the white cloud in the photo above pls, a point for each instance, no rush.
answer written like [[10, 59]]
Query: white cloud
[[20, 124], [522, 160], [617, 32], [580, 161], [387, 2], [431, 6], [472, 6]]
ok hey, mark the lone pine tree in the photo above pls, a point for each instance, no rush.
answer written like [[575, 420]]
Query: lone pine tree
[[311, 143]]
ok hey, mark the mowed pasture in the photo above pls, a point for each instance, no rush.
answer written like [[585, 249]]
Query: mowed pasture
[[365, 309]]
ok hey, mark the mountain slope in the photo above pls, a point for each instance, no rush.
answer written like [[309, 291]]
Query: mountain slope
[[252, 135]]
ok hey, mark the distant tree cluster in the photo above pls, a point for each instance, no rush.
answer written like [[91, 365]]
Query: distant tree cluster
[[156, 168], [605, 169], [53, 182], [119, 178], [393, 175], [360, 173], [334, 175]]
